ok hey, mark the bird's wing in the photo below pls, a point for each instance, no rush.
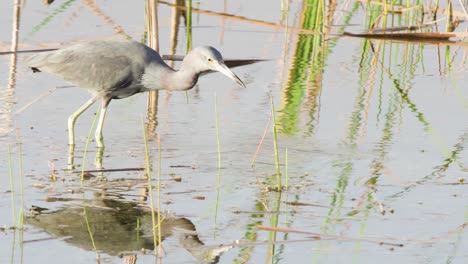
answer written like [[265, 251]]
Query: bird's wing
[[99, 67]]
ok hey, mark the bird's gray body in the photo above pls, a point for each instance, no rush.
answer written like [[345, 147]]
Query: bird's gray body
[[113, 68], [119, 69]]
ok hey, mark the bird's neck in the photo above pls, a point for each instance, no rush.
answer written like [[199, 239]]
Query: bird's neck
[[183, 79], [162, 77]]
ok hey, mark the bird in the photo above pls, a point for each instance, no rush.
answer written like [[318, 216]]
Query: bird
[[117, 69]]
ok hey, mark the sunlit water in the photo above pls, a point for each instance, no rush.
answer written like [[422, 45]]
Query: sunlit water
[[375, 133]]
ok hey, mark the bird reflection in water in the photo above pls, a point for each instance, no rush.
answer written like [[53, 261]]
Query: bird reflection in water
[[119, 229]]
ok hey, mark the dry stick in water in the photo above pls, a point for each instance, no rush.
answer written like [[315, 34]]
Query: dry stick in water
[[26, 51], [261, 141], [94, 7], [115, 170], [153, 42], [35, 100], [240, 18], [323, 236], [464, 9]]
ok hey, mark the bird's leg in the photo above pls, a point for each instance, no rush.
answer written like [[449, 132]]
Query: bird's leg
[[98, 160], [73, 117], [71, 157], [98, 135]]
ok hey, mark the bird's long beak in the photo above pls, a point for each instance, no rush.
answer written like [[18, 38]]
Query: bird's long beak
[[222, 68]]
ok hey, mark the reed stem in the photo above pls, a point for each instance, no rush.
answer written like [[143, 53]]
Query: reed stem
[[275, 146], [12, 186], [88, 139], [20, 157]]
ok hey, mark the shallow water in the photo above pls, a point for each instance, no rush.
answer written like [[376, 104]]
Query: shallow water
[[375, 133]]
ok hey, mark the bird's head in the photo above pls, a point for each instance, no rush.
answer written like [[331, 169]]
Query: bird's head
[[209, 59]]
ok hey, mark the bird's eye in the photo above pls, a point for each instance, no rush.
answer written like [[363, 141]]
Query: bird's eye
[[210, 60]]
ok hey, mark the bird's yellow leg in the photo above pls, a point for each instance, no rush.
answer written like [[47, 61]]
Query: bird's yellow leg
[[98, 134], [73, 117]]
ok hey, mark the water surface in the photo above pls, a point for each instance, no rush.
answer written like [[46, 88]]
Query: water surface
[[375, 133]]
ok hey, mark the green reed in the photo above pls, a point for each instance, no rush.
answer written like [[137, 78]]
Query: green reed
[[309, 55], [218, 142], [159, 197], [13, 247], [188, 32], [83, 165], [219, 161], [88, 139], [55, 13], [20, 158], [189, 25], [90, 231], [272, 235], [275, 146], [12, 186], [286, 169], [155, 223]]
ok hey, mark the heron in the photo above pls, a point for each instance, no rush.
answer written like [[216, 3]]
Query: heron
[[113, 69]]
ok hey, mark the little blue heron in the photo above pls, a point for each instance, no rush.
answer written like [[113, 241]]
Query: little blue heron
[[119, 69]]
